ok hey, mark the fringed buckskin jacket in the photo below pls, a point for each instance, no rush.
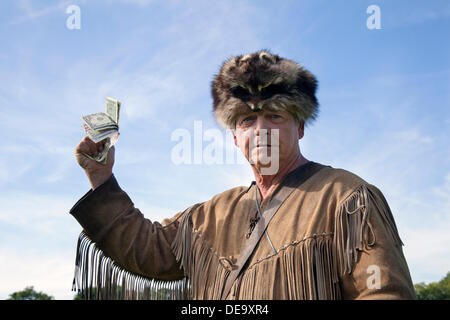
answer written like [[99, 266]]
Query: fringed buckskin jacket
[[334, 237]]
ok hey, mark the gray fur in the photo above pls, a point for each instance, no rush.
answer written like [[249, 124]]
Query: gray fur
[[262, 80]]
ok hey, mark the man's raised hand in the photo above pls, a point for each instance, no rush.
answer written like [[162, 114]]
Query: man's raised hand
[[97, 173]]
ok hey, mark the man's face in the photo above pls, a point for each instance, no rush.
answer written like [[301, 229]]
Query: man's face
[[256, 136]]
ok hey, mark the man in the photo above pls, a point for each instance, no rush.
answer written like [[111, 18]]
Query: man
[[301, 230]]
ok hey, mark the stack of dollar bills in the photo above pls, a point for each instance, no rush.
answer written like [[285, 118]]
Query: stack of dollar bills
[[103, 125]]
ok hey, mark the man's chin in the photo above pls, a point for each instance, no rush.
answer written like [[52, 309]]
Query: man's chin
[[266, 169]]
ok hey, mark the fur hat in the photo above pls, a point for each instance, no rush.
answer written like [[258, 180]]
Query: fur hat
[[262, 80]]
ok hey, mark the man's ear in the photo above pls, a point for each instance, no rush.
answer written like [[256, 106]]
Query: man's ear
[[235, 139], [301, 129]]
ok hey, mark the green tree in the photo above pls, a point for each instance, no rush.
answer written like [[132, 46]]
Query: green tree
[[434, 290], [78, 296], [29, 294]]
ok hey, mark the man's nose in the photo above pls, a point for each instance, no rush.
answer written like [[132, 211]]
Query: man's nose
[[261, 125]]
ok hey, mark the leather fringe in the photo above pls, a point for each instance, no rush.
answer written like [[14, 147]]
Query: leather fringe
[[206, 270], [306, 269], [98, 277], [301, 270], [353, 230]]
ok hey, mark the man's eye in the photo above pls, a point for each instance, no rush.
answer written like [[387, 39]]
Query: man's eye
[[276, 116], [247, 120]]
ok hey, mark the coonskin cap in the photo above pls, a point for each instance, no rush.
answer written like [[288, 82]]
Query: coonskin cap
[[262, 80]]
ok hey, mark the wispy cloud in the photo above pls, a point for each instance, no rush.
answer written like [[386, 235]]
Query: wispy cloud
[[50, 273], [413, 15], [30, 12], [141, 3], [38, 242], [38, 213]]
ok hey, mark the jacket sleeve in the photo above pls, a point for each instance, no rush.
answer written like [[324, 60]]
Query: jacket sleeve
[[380, 270], [111, 221]]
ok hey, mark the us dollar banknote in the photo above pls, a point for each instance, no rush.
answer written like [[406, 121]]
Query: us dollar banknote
[[100, 122], [113, 109], [103, 126]]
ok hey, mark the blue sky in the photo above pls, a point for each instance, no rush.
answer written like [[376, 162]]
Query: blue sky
[[384, 112]]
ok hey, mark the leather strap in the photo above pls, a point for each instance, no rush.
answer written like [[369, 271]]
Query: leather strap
[[294, 179]]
